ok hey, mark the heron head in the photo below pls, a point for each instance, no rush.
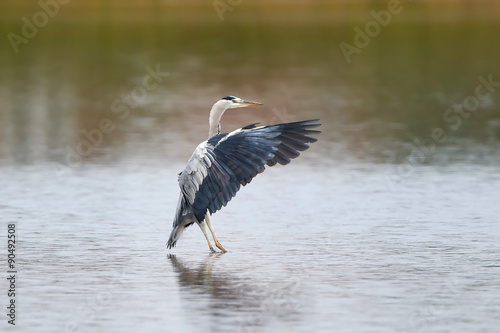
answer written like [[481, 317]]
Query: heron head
[[232, 102], [228, 102]]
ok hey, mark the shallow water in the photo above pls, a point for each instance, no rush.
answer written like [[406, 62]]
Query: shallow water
[[374, 229], [422, 258]]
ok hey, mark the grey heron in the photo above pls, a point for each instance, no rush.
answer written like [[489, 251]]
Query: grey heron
[[222, 164]]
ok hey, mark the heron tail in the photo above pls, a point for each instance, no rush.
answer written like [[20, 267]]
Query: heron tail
[[174, 236], [177, 232], [183, 219]]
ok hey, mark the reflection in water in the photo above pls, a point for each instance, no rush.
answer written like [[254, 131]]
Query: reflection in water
[[246, 303], [224, 288]]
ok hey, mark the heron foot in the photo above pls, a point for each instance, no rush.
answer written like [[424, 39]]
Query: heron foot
[[220, 247]]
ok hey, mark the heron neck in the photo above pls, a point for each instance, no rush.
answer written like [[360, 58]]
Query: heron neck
[[214, 119]]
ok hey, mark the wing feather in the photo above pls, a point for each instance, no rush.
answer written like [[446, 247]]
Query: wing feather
[[221, 165]]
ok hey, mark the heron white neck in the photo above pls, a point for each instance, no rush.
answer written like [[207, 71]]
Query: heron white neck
[[214, 119]]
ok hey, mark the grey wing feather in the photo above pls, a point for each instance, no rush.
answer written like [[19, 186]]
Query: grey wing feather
[[220, 165]]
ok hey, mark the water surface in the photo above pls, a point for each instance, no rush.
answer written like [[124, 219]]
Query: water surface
[[376, 228]]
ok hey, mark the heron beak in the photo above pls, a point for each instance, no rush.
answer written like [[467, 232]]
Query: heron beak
[[242, 102]]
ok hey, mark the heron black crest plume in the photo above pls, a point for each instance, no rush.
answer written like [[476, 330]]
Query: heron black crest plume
[[225, 162]]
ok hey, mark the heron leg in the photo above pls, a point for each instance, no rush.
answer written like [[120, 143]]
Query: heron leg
[[204, 230], [209, 224]]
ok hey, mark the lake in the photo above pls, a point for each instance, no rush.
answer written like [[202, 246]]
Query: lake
[[389, 223]]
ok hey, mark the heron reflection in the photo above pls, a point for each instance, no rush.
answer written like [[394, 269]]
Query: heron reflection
[[248, 302], [220, 287]]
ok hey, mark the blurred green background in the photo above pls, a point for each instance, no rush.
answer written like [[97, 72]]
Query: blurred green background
[[65, 78]]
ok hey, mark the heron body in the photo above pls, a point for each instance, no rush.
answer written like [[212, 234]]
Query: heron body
[[222, 164]]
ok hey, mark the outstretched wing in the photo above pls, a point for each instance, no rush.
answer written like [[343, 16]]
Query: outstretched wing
[[219, 166]]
